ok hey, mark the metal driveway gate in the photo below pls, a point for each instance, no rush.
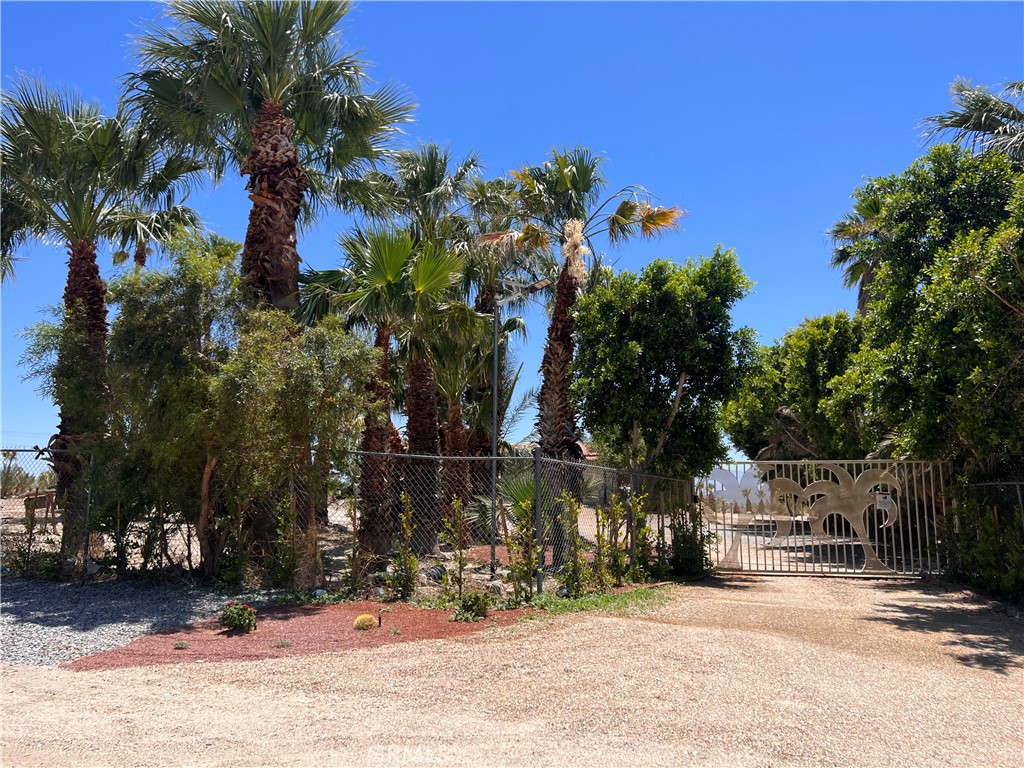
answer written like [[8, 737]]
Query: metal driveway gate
[[866, 518]]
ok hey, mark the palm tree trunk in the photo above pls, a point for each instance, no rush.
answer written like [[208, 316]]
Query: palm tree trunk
[[556, 422], [375, 503], [456, 480], [277, 182], [864, 289], [80, 382], [423, 483]]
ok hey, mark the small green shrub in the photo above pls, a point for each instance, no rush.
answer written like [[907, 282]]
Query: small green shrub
[[181, 645], [364, 621], [282, 643], [401, 580], [575, 574], [239, 616], [472, 607], [456, 535]]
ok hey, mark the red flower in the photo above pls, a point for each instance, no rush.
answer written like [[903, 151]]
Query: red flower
[[231, 602]]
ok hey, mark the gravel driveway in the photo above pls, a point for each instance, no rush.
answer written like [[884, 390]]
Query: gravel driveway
[[733, 672]]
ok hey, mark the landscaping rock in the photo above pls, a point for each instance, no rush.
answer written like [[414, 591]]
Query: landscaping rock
[[496, 588]]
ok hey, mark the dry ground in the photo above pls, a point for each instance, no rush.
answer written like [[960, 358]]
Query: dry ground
[[739, 672]]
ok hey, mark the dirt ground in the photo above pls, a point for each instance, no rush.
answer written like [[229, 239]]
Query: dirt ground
[[731, 672]]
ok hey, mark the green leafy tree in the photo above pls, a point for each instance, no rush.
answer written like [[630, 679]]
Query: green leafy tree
[[779, 411], [658, 356], [265, 87], [941, 359], [74, 176]]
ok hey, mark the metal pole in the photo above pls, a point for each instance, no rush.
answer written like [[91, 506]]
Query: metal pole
[[538, 517], [494, 446]]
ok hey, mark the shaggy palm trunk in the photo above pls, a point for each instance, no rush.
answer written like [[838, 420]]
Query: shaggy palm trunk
[[478, 440], [80, 384], [556, 422], [422, 481], [864, 289], [375, 502], [277, 182], [456, 479]]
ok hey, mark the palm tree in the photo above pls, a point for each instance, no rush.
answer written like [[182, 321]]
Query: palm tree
[[984, 120], [370, 290], [72, 175], [265, 87], [561, 202], [857, 236]]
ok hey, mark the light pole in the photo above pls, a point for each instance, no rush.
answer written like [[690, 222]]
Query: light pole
[[517, 291]]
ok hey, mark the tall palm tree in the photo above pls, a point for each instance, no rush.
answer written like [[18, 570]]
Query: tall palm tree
[[72, 175], [264, 87], [856, 237], [562, 202], [984, 120]]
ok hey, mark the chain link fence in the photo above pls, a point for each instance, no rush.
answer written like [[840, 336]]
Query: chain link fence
[[517, 519], [524, 516]]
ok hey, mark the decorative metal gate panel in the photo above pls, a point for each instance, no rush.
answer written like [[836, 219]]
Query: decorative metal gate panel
[[867, 518]]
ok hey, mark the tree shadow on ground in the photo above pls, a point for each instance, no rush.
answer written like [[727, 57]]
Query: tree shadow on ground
[[83, 607], [733, 581], [985, 634]]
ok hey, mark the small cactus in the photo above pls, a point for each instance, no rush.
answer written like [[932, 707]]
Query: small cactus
[[365, 621]]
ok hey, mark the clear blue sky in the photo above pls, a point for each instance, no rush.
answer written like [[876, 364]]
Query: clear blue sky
[[759, 119]]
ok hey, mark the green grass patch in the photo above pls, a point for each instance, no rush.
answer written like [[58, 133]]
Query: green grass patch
[[620, 603]]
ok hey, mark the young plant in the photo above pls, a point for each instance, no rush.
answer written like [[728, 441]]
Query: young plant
[[401, 581], [456, 535], [576, 573], [616, 544], [643, 540], [240, 617], [472, 607]]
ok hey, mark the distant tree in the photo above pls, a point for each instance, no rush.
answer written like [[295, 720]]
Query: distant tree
[[657, 356]]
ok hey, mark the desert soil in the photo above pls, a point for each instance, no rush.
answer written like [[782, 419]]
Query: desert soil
[[744, 671]]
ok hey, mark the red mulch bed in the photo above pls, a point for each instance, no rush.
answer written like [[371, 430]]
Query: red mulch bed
[[292, 631]]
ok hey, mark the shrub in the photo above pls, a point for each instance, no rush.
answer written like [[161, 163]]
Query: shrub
[[456, 535], [239, 616], [472, 607], [576, 574], [401, 581], [364, 621], [181, 645]]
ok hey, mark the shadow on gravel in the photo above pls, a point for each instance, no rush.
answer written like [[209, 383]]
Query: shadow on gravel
[[725, 581], [987, 634], [91, 606]]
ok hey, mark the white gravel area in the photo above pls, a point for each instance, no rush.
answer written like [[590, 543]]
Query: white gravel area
[[47, 623], [734, 672]]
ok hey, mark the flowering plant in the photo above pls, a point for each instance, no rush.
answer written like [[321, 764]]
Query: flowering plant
[[240, 616]]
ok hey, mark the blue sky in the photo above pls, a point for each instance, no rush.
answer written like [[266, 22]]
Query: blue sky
[[760, 119]]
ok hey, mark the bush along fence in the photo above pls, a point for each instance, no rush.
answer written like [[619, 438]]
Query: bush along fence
[[380, 524], [985, 537]]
